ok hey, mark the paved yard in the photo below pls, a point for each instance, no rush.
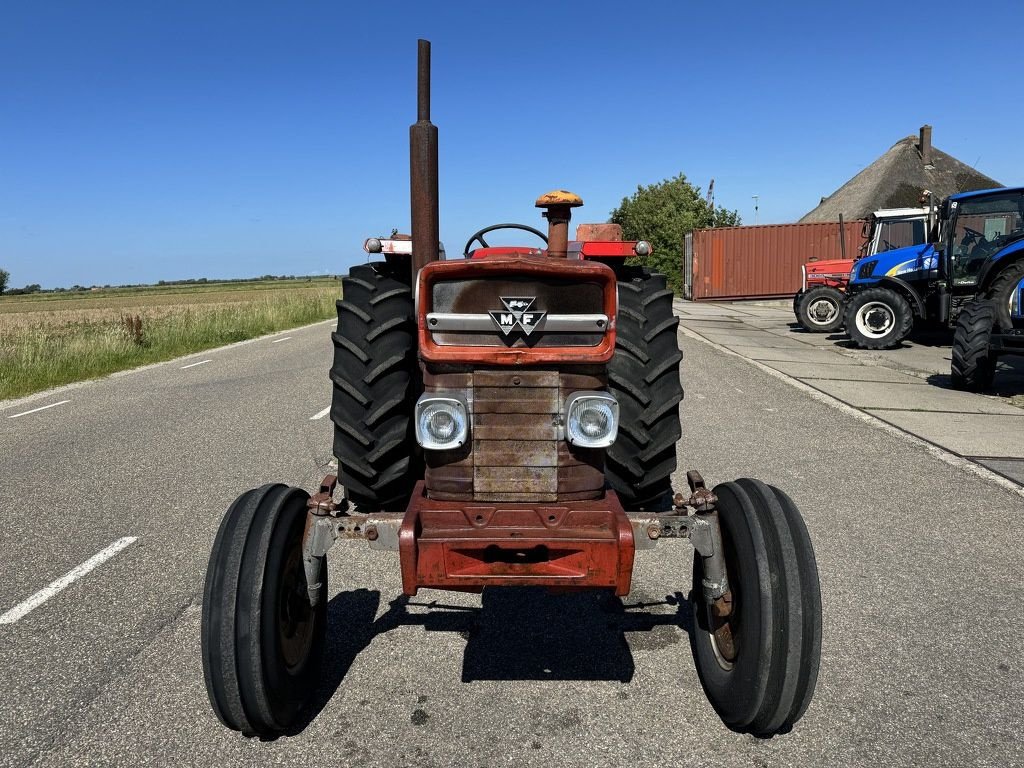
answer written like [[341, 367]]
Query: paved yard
[[906, 387]]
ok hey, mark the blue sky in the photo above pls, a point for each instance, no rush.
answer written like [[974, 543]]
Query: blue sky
[[158, 140]]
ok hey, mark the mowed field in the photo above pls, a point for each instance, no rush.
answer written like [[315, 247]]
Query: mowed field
[[57, 338]]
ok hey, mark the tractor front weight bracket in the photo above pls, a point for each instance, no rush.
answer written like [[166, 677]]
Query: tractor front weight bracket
[[694, 518]]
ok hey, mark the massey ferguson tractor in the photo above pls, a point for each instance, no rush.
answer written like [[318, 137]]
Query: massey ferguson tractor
[[508, 419]]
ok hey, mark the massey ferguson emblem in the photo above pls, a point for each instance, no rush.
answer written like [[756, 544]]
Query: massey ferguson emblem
[[517, 315]]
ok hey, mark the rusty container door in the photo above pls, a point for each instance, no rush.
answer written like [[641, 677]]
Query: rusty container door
[[762, 261]]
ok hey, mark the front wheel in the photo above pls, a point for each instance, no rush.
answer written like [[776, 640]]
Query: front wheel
[[262, 641], [759, 665], [878, 318], [821, 309]]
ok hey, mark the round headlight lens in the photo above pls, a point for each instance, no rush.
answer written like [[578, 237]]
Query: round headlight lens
[[592, 421], [373, 245], [441, 424], [642, 248]]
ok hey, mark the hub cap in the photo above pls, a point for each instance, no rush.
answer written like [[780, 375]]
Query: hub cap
[[822, 311], [295, 616], [875, 319]]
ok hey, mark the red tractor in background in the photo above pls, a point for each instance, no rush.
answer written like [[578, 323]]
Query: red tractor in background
[[818, 305], [508, 419]]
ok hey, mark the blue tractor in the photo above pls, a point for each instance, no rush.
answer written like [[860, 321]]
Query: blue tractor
[[970, 276]]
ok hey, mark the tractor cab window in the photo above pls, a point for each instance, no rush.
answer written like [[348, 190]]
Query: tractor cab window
[[980, 228], [899, 233]]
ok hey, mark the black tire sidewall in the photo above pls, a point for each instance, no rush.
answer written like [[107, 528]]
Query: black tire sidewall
[[817, 293], [737, 694], [903, 318], [287, 690]]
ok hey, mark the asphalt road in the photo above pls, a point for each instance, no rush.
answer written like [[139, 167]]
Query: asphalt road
[[921, 565]]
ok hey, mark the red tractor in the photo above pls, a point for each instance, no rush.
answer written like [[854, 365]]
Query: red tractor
[[508, 419]]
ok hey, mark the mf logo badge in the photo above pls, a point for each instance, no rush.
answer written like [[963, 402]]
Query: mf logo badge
[[517, 314]]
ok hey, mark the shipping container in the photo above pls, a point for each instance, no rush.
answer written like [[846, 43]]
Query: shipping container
[[760, 261]]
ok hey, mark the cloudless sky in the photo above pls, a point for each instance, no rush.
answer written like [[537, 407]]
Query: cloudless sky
[[160, 140]]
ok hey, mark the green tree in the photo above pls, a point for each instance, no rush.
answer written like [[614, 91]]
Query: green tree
[[662, 214], [4, 277]]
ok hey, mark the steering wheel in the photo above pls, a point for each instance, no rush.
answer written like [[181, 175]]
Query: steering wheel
[[479, 235], [973, 232]]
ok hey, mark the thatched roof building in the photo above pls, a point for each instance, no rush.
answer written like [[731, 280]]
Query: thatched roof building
[[898, 179]]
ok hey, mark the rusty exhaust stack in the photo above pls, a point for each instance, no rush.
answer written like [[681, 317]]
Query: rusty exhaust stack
[[558, 207], [423, 170]]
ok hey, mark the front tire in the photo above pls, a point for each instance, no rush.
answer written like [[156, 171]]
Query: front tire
[[878, 318], [759, 665], [973, 365], [262, 642], [821, 309]]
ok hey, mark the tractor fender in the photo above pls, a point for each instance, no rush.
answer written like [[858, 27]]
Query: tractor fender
[[907, 290], [1003, 260]]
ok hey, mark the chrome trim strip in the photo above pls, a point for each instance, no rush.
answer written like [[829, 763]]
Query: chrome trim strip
[[483, 323]]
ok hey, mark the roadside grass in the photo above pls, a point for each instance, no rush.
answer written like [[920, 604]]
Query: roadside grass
[[44, 347]]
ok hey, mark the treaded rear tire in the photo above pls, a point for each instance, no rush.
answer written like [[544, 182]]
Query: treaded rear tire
[[644, 377], [374, 376], [973, 367], [1001, 290]]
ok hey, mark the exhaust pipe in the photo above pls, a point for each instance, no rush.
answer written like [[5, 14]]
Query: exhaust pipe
[[423, 171]]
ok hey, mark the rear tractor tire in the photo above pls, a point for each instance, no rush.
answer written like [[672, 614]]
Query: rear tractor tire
[[878, 318], [973, 365], [1002, 291], [644, 377], [821, 309], [759, 664], [262, 642], [374, 374]]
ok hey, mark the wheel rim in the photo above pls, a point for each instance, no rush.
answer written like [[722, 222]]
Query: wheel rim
[[296, 618], [822, 311], [727, 633], [875, 319]]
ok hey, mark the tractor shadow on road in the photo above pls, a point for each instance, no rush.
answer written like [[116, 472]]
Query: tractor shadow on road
[[517, 633]]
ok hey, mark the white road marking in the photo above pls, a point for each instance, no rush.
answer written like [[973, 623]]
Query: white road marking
[[320, 414], [36, 410], [67, 579], [193, 365], [278, 341]]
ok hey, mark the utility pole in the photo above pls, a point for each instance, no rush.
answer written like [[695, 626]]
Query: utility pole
[[756, 198]]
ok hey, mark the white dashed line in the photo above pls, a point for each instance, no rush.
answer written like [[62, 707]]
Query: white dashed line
[[193, 365], [278, 341], [67, 579], [321, 414], [36, 410]]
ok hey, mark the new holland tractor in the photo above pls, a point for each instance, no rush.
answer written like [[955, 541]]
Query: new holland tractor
[[818, 305], [508, 419], [969, 276]]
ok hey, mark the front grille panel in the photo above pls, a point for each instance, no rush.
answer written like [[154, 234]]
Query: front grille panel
[[514, 452], [573, 312]]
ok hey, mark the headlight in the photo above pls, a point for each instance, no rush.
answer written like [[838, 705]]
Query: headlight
[[591, 419], [373, 245], [864, 270], [441, 422], [642, 248]]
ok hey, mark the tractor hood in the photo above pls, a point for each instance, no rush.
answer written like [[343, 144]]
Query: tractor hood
[[899, 262], [830, 267]]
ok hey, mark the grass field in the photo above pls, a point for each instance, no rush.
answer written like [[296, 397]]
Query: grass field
[[51, 339]]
